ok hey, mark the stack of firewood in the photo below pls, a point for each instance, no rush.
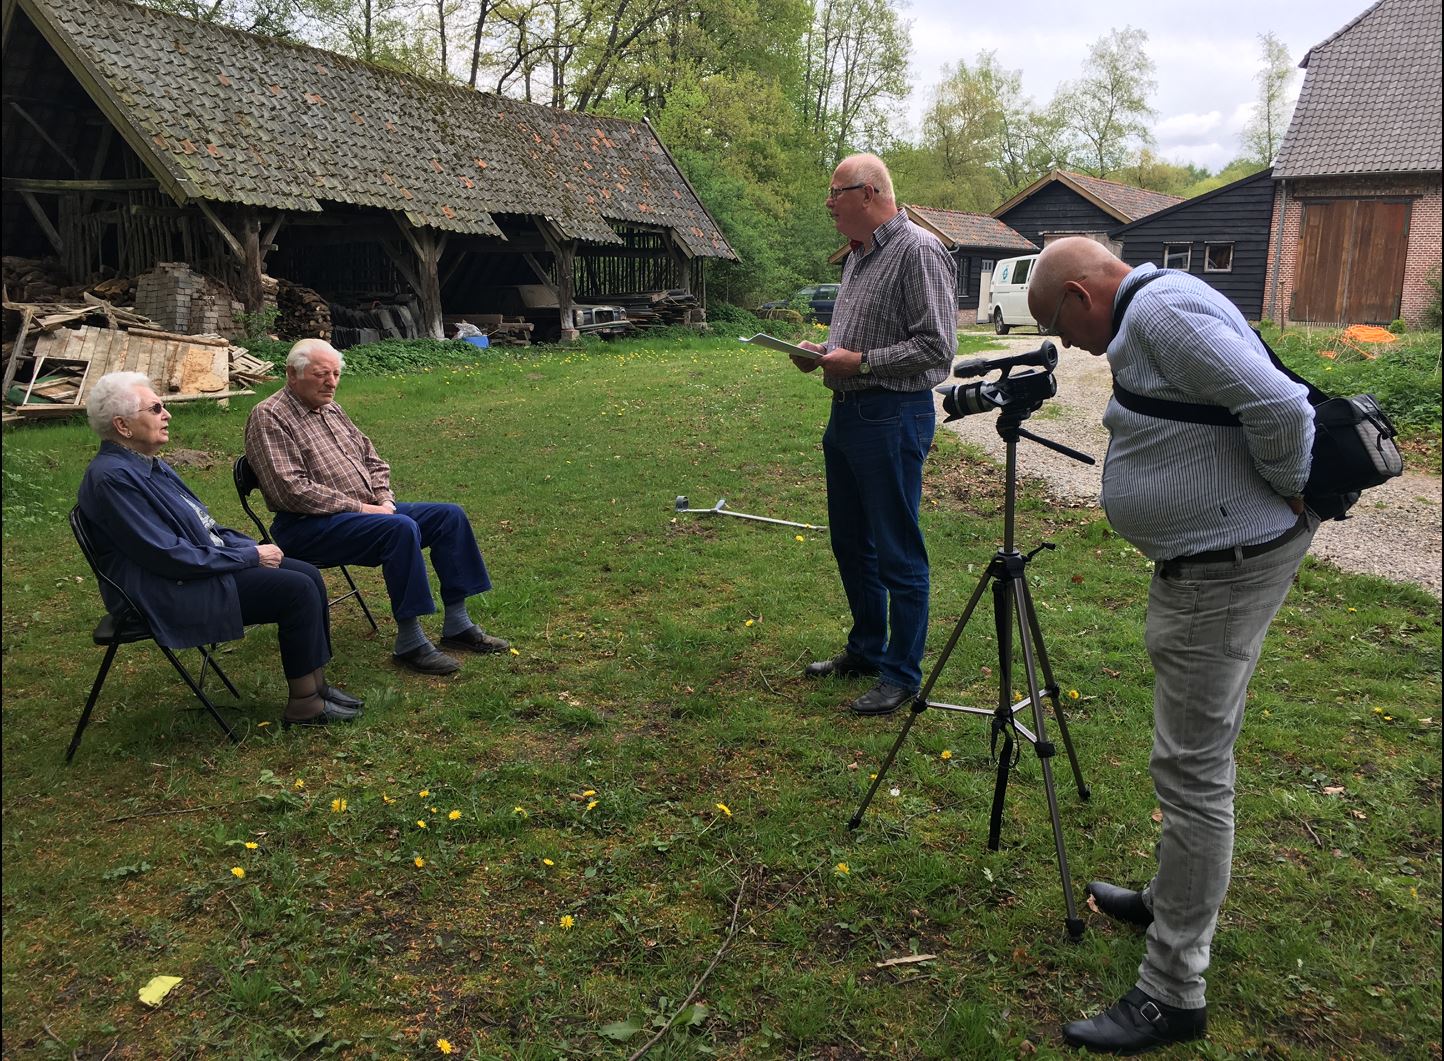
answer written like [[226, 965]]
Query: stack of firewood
[[304, 313], [118, 290], [656, 309], [35, 280]]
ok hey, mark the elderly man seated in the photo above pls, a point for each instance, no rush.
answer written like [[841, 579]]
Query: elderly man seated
[[332, 496]]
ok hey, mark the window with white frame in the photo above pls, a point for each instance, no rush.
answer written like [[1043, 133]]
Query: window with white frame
[[1177, 255], [1218, 257]]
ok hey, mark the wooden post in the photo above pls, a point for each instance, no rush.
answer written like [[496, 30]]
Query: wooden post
[[564, 251], [428, 246], [251, 293]]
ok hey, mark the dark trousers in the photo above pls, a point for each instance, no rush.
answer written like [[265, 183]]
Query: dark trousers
[[394, 543], [293, 596], [874, 448]]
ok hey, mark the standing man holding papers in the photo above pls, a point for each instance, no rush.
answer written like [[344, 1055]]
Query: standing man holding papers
[[892, 339]]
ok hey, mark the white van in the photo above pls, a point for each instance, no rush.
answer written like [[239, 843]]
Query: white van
[[1009, 294]]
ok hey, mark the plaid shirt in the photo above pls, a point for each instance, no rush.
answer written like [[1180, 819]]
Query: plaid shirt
[[897, 305], [314, 462]]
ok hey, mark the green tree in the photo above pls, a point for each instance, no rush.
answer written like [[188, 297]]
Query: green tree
[[1272, 108], [855, 59], [1149, 171], [1236, 170], [964, 129], [1109, 107]]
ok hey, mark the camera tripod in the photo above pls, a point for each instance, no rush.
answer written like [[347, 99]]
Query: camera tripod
[[1011, 597]]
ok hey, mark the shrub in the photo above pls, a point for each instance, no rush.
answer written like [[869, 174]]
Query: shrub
[[1397, 326], [1432, 315]]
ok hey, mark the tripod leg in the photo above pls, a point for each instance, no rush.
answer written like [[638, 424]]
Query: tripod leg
[[920, 702], [1052, 690], [1002, 723], [1027, 624]]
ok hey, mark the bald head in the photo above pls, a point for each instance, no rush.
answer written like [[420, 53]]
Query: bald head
[[1083, 269]]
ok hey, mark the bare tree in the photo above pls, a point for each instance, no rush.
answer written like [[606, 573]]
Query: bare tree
[[1272, 109], [1108, 108]]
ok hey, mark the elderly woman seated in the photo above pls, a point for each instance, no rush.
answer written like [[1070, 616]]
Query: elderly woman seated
[[197, 583]]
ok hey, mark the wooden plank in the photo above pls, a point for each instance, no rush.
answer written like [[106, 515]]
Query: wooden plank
[[203, 340], [18, 350]]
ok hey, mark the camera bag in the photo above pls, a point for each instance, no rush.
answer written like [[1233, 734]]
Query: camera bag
[[1354, 446]]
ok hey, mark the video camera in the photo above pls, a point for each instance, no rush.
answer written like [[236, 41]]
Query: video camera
[[1019, 396]]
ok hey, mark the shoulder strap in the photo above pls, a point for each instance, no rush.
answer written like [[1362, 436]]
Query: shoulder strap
[[1126, 298]]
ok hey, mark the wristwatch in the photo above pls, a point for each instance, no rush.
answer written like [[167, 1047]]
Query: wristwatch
[[863, 368]]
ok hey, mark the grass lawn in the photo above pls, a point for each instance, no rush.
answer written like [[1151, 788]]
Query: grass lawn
[[639, 816]]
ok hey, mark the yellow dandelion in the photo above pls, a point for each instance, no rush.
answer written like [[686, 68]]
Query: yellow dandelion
[[1388, 718], [520, 812], [589, 792], [238, 872], [421, 823], [591, 804], [842, 869], [748, 622], [514, 652], [798, 538], [337, 806], [567, 921], [299, 783], [419, 861], [444, 1045], [724, 809], [1378, 710], [1353, 609], [424, 793], [548, 862], [946, 753], [431, 809], [1072, 694], [387, 799], [454, 815], [251, 845]]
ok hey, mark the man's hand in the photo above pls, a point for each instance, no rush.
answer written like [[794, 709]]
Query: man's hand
[[269, 555], [386, 508], [808, 364], [841, 363]]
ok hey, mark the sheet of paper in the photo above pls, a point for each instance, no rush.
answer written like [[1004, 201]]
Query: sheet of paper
[[774, 343]]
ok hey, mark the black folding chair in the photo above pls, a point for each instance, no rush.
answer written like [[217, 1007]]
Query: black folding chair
[[245, 479], [127, 628]]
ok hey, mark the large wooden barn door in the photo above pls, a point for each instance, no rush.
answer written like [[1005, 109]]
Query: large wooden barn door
[[1351, 261]]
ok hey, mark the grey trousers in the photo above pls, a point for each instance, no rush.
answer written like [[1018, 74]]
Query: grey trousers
[[1205, 631]]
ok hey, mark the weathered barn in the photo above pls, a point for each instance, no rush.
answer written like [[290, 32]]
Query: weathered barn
[[1356, 222], [1222, 237], [135, 137], [1061, 203]]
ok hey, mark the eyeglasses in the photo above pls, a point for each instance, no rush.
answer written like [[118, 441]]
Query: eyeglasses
[[1052, 328], [154, 410], [833, 193]]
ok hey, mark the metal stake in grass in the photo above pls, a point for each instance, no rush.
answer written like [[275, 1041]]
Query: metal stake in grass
[[720, 509]]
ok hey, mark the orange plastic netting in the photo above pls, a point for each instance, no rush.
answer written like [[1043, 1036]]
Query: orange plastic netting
[[1369, 333]]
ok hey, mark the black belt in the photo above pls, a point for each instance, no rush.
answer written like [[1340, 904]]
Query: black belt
[[860, 392], [1243, 552]]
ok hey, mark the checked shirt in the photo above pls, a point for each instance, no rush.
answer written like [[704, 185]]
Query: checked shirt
[[314, 462]]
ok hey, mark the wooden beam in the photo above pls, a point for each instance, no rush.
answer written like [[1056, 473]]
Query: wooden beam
[[269, 236], [251, 275], [74, 168], [44, 222], [403, 265], [231, 241], [63, 187], [541, 274]]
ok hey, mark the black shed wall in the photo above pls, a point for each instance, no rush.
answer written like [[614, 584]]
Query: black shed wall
[[1056, 208], [1239, 213]]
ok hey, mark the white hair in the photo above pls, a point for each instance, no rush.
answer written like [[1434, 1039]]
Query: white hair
[[114, 394], [300, 356], [869, 169]]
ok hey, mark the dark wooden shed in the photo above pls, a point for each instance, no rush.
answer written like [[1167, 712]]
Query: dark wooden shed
[[134, 136], [1062, 203], [1222, 237]]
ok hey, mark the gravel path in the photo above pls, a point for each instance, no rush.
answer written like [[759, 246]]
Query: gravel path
[[1393, 532]]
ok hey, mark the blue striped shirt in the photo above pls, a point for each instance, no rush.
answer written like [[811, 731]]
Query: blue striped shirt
[[897, 305], [1174, 488]]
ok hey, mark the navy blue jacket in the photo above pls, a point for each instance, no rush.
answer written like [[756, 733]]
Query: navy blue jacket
[[150, 540]]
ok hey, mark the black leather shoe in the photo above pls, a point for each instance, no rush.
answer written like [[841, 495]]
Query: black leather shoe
[[1121, 904], [882, 699], [843, 665], [1137, 1023], [426, 660], [342, 699], [474, 640], [330, 712]]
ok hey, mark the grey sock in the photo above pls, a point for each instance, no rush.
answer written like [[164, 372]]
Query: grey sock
[[409, 636], [458, 620]]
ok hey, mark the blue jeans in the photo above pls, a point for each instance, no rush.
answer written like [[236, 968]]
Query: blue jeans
[[874, 448], [1205, 630], [394, 543]]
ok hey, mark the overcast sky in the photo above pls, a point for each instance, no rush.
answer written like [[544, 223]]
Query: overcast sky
[[1205, 54]]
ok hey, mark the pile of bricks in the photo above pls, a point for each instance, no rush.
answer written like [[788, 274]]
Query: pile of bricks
[[191, 303]]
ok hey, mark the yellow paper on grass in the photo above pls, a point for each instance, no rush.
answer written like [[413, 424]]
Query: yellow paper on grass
[[159, 986]]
